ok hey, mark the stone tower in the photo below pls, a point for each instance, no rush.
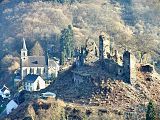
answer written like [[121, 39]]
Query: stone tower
[[117, 56], [129, 67], [104, 46]]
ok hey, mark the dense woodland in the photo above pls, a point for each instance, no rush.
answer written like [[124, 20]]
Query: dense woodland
[[131, 23]]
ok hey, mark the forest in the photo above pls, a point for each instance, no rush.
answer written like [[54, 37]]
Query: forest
[[133, 24]]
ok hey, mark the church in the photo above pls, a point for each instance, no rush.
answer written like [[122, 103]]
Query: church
[[37, 65]]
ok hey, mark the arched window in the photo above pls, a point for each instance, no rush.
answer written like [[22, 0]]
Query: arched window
[[31, 70], [39, 71], [44, 70]]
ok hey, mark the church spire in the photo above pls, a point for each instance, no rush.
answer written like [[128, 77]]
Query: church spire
[[24, 44]]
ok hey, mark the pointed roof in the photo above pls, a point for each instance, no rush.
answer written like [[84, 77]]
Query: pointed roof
[[24, 45], [31, 78], [52, 63]]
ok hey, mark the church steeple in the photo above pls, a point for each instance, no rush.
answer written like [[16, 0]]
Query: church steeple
[[24, 44], [24, 50], [24, 56]]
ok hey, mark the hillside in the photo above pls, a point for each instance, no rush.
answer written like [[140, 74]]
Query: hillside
[[134, 24], [100, 99], [57, 110], [131, 24]]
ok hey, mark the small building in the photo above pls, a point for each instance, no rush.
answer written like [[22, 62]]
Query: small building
[[53, 68], [33, 82], [11, 106], [4, 92]]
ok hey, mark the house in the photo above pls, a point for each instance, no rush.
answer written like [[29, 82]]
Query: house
[[38, 65], [11, 106], [53, 69], [4, 92], [33, 82]]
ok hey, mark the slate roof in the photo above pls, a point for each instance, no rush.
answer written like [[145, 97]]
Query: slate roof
[[31, 78], [52, 63], [11, 105], [35, 61]]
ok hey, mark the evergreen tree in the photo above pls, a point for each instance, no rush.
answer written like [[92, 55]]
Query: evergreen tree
[[70, 41], [66, 44], [37, 49], [62, 59], [150, 115], [62, 47]]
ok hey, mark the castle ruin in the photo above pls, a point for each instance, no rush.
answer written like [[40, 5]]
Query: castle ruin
[[123, 67]]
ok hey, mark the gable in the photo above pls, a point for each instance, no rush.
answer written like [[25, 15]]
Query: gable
[[40, 80], [31, 78], [52, 63]]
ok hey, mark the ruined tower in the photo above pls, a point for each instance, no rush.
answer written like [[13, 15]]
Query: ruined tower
[[91, 51], [104, 46], [117, 57], [129, 67]]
